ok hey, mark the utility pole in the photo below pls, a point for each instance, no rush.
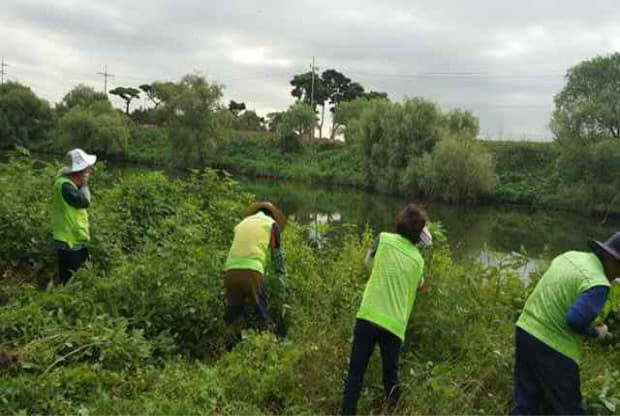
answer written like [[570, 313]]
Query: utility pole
[[105, 75], [2, 70], [312, 88]]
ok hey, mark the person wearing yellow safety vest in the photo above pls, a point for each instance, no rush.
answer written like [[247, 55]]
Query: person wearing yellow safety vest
[[256, 242], [70, 199], [387, 302], [561, 310]]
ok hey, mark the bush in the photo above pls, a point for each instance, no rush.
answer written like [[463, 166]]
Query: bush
[[140, 328], [97, 128], [25, 119], [457, 170], [24, 216]]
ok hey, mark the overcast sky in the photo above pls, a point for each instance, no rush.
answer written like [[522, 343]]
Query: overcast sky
[[502, 60]]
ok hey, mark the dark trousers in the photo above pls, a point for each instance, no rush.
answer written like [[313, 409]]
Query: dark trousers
[[544, 375], [365, 336], [69, 261]]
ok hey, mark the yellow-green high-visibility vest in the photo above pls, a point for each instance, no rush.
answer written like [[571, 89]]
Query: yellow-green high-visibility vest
[[544, 313], [69, 224], [391, 290], [251, 243]]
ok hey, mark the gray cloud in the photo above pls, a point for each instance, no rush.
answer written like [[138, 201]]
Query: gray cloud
[[504, 61]]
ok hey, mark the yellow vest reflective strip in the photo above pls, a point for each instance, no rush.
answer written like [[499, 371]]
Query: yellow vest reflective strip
[[251, 243], [69, 225]]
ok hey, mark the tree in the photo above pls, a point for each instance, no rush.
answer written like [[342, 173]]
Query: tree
[[224, 118], [249, 120], [375, 95], [127, 94], [353, 91], [302, 87], [274, 120], [157, 93], [587, 109], [391, 134], [80, 95], [456, 170], [462, 124], [312, 92], [152, 94], [586, 126], [336, 83], [348, 113], [331, 87], [25, 119], [191, 107], [236, 108], [297, 122], [95, 128]]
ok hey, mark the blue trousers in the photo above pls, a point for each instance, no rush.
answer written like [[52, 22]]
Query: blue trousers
[[544, 376], [365, 336]]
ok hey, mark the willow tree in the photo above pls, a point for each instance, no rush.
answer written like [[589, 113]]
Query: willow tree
[[191, 112]]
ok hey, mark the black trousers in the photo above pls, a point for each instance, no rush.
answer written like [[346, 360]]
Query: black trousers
[[365, 336], [543, 375], [69, 261]]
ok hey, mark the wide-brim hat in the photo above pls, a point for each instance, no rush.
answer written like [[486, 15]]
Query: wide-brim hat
[[77, 160], [611, 246], [277, 215]]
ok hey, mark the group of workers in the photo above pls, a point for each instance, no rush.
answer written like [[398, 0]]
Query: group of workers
[[567, 303]]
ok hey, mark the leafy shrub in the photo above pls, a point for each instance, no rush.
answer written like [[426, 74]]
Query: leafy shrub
[[25, 119], [457, 170], [97, 128], [140, 329], [24, 210]]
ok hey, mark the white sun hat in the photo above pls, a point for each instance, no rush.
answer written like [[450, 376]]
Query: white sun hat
[[77, 160]]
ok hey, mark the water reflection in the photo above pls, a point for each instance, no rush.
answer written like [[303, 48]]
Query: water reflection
[[482, 232]]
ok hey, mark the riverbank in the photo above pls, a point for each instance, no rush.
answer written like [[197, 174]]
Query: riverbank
[[140, 329], [526, 171]]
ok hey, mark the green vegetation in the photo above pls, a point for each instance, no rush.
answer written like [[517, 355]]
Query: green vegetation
[[587, 129], [140, 331], [414, 148], [190, 113], [96, 127], [25, 119], [526, 171], [407, 148], [255, 153]]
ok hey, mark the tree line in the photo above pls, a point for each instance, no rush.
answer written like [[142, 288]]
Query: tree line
[[410, 146]]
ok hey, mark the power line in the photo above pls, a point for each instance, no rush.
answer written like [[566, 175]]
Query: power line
[[2, 70], [105, 75], [460, 75], [251, 77]]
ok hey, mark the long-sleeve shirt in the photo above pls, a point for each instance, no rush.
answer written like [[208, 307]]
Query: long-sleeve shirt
[[276, 252], [77, 197], [585, 309]]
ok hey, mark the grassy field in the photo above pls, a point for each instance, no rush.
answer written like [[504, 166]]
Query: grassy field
[[140, 329]]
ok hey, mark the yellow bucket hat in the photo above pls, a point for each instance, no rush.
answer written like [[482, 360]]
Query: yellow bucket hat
[[278, 216]]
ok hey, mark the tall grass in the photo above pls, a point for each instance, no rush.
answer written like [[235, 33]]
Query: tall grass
[[139, 330]]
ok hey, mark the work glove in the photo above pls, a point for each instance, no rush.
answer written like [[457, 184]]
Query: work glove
[[603, 332]]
